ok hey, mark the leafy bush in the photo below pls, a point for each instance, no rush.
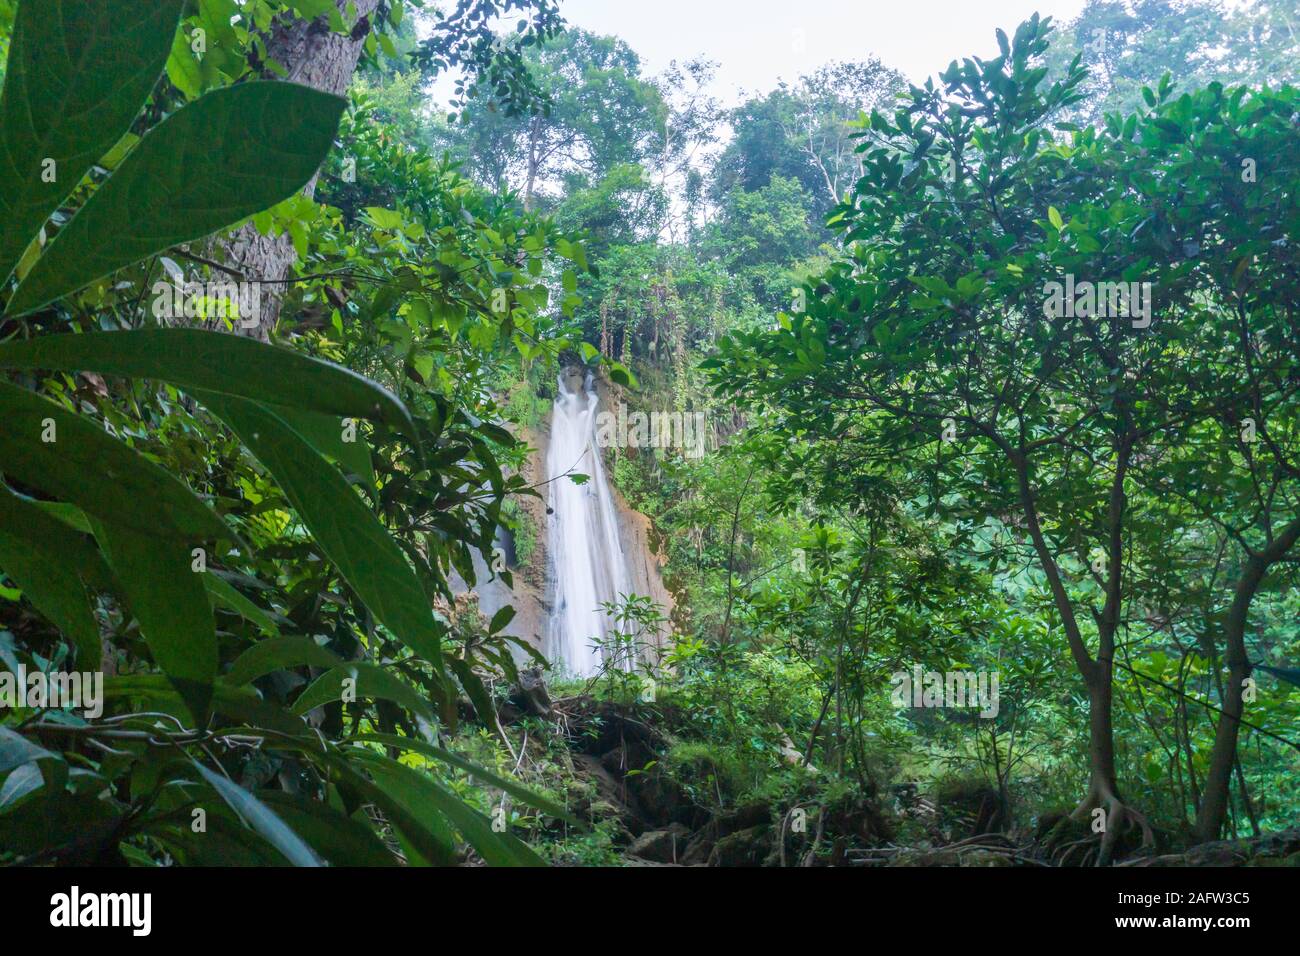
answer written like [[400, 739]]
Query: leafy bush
[[272, 648]]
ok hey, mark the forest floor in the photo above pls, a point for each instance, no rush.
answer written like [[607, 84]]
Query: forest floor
[[654, 812]]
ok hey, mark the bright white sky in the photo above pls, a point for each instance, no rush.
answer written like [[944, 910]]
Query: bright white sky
[[758, 42]]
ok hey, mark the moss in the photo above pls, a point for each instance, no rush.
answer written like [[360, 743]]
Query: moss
[[708, 771], [523, 531]]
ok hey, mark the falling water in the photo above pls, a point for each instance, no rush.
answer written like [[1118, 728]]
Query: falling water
[[587, 560]]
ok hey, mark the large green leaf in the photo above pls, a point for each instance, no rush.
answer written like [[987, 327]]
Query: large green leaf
[[80, 824], [246, 705], [478, 693], [225, 843], [16, 750], [515, 789], [421, 793], [371, 682], [278, 653], [223, 592], [422, 831], [85, 466], [78, 74], [21, 783], [360, 547], [231, 154], [325, 434], [43, 557], [221, 363], [340, 840], [170, 602], [239, 704], [260, 818]]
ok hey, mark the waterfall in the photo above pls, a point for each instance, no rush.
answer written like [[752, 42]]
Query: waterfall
[[588, 566]]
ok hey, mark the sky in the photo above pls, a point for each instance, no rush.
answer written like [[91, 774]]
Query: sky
[[758, 42]]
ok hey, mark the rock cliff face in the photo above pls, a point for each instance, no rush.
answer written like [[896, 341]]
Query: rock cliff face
[[528, 596]]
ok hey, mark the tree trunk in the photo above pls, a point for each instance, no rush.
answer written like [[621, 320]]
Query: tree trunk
[[1223, 758], [534, 146], [1103, 782], [1096, 673], [314, 56], [1214, 803]]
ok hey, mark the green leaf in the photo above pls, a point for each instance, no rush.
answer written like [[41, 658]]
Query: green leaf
[[246, 706], [425, 836], [67, 514], [169, 600], [325, 434], [420, 790], [81, 821], [371, 682], [243, 705], [1054, 217], [621, 375], [261, 819], [483, 775], [224, 592], [279, 653], [226, 842], [16, 750], [77, 76], [216, 362], [130, 491], [477, 693], [23, 781], [340, 840], [235, 152], [385, 218], [360, 547], [183, 67], [501, 618], [42, 555]]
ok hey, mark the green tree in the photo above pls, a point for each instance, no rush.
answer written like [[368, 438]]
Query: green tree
[[1129, 44], [945, 322]]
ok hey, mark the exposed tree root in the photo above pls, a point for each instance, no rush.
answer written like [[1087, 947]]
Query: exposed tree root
[[1069, 844]]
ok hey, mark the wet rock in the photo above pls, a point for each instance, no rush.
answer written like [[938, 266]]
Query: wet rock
[[1273, 849], [661, 846], [701, 846], [951, 856], [612, 797], [666, 801], [859, 819], [750, 847]]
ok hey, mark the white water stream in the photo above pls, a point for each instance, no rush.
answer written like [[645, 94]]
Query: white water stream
[[587, 560]]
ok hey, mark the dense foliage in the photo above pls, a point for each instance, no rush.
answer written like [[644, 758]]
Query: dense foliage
[[999, 379]]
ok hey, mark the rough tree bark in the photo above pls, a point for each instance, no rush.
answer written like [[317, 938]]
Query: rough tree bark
[[317, 57]]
